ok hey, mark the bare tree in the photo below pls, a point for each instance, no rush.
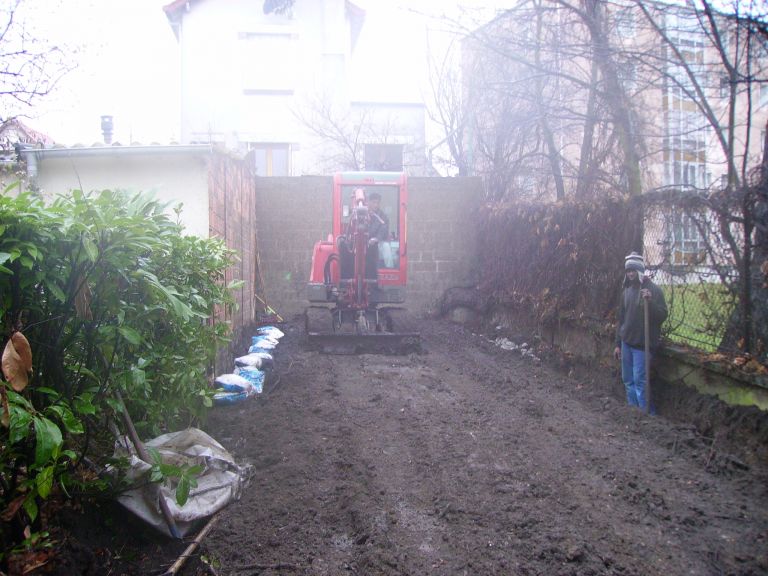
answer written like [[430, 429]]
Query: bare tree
[[340, 131], [357, 135], [30, 67], [448, 109], [557, 89], [548, 107], [594, 97]]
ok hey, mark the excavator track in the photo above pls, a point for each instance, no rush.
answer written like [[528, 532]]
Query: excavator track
[[395, 334]]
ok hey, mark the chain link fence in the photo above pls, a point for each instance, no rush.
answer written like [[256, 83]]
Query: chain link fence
[[687, 257]]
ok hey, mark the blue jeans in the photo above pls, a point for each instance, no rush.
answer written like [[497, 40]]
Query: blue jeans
[[633, 374]]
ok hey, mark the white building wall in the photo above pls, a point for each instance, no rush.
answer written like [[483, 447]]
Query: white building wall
[[172, 177]]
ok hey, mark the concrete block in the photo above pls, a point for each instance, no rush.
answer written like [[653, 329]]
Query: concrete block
[[424, 266]]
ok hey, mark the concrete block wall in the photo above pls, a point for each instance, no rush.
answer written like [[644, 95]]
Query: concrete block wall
[[441, 237], [295, 212]]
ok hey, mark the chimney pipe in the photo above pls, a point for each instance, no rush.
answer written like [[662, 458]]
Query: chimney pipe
[[106, 129]]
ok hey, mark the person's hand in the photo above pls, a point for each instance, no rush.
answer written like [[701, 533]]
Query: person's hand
[[645, 293], [617, 353], [373, 241]]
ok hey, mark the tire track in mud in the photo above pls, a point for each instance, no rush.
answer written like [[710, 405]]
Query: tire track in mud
[[649, 525], [469, 461]]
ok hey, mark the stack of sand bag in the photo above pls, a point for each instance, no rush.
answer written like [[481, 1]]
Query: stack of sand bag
[[247, 379]]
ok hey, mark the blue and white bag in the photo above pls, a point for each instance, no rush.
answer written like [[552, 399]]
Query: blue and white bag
[[271, 331], [254, 376], [255, 360], [233, 388]]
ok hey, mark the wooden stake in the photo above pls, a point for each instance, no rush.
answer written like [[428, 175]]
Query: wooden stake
[[192, 547]]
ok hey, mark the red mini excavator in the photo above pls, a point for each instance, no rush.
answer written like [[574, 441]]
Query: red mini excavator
[[359, 273]]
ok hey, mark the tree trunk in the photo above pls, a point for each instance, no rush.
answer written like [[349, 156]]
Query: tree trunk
[[584, 178], [615, 98]]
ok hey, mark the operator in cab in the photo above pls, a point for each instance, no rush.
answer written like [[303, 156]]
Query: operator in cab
[[378, 231], [379, 224]]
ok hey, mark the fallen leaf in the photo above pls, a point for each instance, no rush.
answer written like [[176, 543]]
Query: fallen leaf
[[754, 367], [12, 508], [14, 367], [23, 349]]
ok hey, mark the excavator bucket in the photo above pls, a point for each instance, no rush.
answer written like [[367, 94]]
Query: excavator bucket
[[332, 332]]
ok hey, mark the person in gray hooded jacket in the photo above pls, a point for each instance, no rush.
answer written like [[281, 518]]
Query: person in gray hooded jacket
[[630, 327]]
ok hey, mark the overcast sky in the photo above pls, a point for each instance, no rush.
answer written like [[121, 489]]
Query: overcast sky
[[127, 66], [127, 63]]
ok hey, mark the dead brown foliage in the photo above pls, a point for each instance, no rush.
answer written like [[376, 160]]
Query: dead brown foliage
[[564, 260]]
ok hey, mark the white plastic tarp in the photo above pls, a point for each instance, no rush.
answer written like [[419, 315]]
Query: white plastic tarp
[[221, 481]]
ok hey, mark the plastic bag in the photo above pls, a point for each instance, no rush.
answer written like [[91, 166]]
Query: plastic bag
[[271, 331], [234, 388], [262, 343], [224, 397], [221, 482], [254, 376], [255, 360], [232, 382]]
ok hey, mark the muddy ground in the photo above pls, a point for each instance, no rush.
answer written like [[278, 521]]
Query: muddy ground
[[469, 460]]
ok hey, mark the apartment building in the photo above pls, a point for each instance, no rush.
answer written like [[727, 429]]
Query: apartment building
[[562, 102]]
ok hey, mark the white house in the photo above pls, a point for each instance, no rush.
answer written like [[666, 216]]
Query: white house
[[258, 75]]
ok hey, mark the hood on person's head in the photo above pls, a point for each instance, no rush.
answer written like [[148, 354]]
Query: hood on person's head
[[634, 262]]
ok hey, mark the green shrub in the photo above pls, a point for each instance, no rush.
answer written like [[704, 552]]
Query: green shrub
[[111, 296]]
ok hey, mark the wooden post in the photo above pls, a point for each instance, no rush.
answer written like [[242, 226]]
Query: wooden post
[[646, 325]]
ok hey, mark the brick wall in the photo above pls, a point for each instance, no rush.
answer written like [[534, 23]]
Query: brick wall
[[232, 216], [294, 213]]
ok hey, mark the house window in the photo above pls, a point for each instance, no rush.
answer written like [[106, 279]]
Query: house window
[[525, 182], [384, 157], [763, 94], [625, 20], [628, 75], [725, 87], [270, 159], [692, 174], [686, 136], [688, 245], [269, 61]]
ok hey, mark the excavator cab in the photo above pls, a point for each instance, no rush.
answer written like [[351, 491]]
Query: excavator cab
[[359, 272]]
